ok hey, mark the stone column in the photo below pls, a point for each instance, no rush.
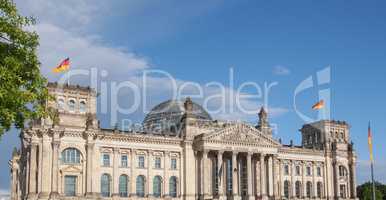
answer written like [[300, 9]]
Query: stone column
[[293, 192], [167, 167], [235, 185], [14, 182], [249, 175], [32, 171], [336, 179], [220, 172], [263, 186], [274, 176], [115, 187], [45, 168], [313, 189], [55, 172], [149, 179], [270, 176], [205, 178], [353, 179], [89, 170], [132, 175], [303, 188]]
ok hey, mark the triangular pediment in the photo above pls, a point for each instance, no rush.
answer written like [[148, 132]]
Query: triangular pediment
[[240, 133], [71, 168]]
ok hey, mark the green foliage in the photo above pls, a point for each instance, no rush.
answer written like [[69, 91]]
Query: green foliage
[[365, 191], [22, 87]]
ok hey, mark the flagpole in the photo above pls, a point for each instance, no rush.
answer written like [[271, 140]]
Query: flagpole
[[371, 161], [372, 179]]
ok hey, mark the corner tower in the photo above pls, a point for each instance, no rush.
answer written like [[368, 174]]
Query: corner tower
[[74, 106], [263, 124]]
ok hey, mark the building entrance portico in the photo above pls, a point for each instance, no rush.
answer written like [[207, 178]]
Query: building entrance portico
[[235, 175]]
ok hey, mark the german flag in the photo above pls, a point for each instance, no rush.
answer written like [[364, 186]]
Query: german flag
[[63, 66], [318, 105], [370, 142]]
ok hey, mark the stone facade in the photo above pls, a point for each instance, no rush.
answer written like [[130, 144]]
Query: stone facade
[[201, 159]]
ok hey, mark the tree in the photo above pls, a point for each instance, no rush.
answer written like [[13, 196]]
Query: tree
[[365, 191], [23, 91]]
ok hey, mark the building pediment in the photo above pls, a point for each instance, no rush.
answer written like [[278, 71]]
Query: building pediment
[[239, 133], [72, 169]]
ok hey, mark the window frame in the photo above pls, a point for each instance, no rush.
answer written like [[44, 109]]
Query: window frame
[[140, 186], [141, 161], [71, 156], [173, 163], [106, 162], [71, 108], [66, 188], [157, 163], [81, 104], [173, 186], [124, 192], [108, 186], [124, 162]]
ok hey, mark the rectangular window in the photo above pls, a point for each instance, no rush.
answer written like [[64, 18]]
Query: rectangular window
[[298, 170], [106, 160], [157, 163], [123, 161], [69, 185], [286, 170], [319, 171], [308, 171], [141, 162], [173, 164], [342, 191]]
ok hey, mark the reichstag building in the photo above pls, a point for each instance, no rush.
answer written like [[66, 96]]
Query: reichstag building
[[181, 153]]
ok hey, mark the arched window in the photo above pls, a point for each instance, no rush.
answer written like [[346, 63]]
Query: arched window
[[308, 189], [71, 105], [342, 171], [123, 185], [60, 104], [140, 186], [105, 185], [157, 185], [319, 188], [286, 188], [71, 156], [173, 186], [82, 106], [298, 187]]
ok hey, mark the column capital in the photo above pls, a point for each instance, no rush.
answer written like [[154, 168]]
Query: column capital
[[205, 151], [34, 144], [90, 145], [56, 144], [115, 149]]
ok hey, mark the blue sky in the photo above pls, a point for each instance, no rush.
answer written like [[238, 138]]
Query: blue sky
[[263, 41]]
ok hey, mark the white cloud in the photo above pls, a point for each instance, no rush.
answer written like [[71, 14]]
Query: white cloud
[[84, 52], [4, 194], [64, 28], [281, 70]]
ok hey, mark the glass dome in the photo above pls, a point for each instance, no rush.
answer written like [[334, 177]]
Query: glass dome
[[167, 115]]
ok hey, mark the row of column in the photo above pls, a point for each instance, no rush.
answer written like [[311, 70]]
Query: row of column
[[266, 167], [43, 168]]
